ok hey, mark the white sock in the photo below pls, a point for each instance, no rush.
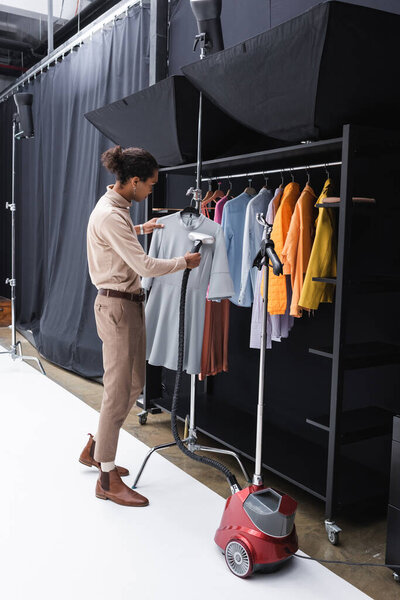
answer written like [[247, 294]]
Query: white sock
[[106, 467]]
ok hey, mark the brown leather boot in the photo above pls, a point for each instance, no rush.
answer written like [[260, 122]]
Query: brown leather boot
[[87, 457], [110, 486]]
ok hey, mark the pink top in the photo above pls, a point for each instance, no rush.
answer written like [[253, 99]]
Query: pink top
[[219, 207]]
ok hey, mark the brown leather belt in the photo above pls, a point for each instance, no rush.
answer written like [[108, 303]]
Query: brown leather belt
[[126, 295]]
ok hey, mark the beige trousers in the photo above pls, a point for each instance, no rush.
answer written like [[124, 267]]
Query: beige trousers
[[121, 328]]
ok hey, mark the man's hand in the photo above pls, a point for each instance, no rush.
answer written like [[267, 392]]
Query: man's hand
[[192, 260], [150, 226]]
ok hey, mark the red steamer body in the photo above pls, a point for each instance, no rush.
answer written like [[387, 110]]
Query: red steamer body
[[257, 531]]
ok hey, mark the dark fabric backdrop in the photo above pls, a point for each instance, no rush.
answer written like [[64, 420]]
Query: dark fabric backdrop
[[59, 180], [241, 20]]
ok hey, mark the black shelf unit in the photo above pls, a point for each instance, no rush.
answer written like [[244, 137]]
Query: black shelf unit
[[314, 462], [358, 424], [359, 356], [376, 284], [305, 469]]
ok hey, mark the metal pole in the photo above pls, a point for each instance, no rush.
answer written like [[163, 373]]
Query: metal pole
[[50, 32], [198, 198], [257, 478], [13, 282], [271, 171], [192, 422], [199, 129], [339, 336]]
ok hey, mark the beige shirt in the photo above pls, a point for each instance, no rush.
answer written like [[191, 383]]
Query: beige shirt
[[115, 256]]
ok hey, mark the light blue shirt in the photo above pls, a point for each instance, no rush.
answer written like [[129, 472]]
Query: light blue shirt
[[252, 237], [232, 223], [162, 308]]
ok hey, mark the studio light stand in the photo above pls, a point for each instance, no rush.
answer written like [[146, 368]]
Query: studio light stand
[[210, 40], [23, 119]]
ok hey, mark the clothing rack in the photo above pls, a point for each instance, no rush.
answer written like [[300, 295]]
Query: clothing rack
[[271, 171], [328, 424], [253, 174]]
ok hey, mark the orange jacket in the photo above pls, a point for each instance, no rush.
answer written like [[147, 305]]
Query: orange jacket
[[297, 250], [277, 297]]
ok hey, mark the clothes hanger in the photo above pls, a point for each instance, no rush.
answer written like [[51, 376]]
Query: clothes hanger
[[266, 181], [228, 193], [218, 193], [209, 192], [308, 176], [190, 209], [211, 197], [250, 190], [327, 172], [292, 175], [282, 180]]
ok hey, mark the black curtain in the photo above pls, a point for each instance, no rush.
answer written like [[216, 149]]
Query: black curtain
[[59, 180]]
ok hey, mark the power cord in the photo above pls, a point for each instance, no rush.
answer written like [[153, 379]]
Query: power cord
[[178, 384], [345, 562]]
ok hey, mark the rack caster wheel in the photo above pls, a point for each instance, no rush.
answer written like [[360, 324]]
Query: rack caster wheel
[[396, 577], [238, 559], [333, 537], [333, 531], [143, 417]]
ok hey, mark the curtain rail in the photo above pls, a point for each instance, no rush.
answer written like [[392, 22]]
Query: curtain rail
[[76, 41], [286, 170]]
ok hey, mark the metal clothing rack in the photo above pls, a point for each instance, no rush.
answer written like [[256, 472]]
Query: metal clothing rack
[[320, 458], [253, 174], [271, 171]]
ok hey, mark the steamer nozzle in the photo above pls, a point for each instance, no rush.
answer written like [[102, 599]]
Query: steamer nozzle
[[199, 239]]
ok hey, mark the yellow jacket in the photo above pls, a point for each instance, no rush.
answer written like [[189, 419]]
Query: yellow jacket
[[322, 261]]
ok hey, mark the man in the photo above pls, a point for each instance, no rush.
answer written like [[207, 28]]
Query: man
[[116, 263]]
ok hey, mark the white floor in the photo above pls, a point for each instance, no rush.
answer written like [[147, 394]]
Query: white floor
[[59, 542]]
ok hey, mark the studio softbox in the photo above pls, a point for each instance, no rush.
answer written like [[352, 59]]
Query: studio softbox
[[163, 119], [302, 80], [23, 103]]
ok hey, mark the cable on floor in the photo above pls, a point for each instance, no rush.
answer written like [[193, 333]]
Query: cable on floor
[[345, 562]]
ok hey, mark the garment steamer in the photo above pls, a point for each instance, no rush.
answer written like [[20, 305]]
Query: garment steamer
[[257, 530]]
